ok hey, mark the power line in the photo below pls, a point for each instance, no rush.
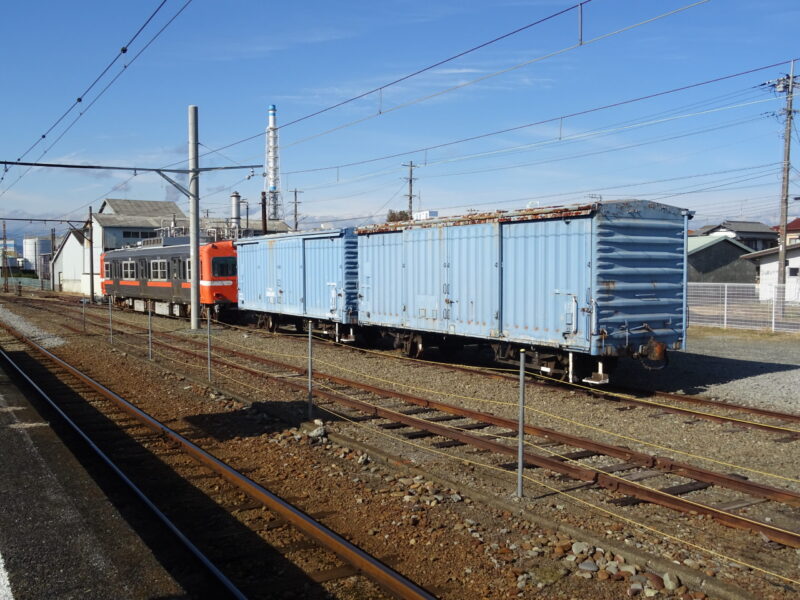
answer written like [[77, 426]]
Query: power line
[[99, 95], [79, 99], [496, 73], [439, 63], [381, 112], [544, 121]]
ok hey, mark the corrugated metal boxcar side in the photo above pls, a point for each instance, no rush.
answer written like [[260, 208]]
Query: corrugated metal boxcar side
[[304, 274], [599, 279]]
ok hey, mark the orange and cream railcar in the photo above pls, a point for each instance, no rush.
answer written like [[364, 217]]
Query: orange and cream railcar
[[161, 275]]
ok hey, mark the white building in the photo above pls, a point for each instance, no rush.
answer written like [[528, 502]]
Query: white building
[[767, 264], [67, 263]]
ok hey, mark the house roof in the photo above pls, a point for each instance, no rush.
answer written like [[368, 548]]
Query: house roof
[[743, 227], [141, 208], [78, 235], [702, 230], [793, 225], [771, 251], [701, 242]]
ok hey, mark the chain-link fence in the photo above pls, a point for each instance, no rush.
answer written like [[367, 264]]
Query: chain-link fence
[[745, 306]]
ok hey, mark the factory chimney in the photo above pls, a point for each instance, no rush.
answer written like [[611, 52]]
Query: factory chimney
[[272, 168], [236, 219]]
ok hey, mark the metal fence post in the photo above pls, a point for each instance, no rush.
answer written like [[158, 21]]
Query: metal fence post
[[725, 309], [209, 343], [149, 331], [774, 295], [310, 374], [110, 323], [521, 423]]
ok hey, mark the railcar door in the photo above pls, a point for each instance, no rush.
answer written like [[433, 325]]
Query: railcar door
[[424, 274], [546, 273], [471, 295]]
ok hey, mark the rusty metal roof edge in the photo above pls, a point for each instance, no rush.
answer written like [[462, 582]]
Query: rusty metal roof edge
[[499, 216]]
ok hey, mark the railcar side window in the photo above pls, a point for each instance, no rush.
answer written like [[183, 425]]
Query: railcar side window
[[107, 270], [158, 270], [129, 270], [188, 264], [223, 266]]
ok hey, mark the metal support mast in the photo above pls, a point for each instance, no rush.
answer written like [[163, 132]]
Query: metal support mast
[[194, 219]]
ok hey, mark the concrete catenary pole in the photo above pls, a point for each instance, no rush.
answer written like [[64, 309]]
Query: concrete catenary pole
[[194, 219], [52, 259], [91, 256], [787, 148]]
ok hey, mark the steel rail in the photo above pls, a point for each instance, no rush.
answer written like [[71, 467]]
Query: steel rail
[[575, 471], [792, 417], [666, 464], [204, 560], [386, 577], [615, 396]]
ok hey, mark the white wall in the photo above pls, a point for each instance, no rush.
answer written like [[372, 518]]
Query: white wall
[[68, 266], [768, 277]]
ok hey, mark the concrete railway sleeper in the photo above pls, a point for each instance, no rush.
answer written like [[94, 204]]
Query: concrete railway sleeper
[[387, 578], [603, 477]]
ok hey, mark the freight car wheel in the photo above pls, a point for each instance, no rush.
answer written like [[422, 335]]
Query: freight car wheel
[[272, 323], [414, 346]]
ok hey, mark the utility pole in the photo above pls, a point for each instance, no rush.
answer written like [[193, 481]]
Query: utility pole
[[787, 85], [295, 202], [194, 219], [410, 194]]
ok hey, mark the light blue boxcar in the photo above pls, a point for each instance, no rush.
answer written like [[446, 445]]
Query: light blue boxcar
[[300, 274], [600, 279]]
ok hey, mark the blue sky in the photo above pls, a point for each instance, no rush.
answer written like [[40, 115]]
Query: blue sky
[[715, 148]]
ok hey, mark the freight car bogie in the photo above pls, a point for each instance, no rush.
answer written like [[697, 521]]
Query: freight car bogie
[[557, 363]]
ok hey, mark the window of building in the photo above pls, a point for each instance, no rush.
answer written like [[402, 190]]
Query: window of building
[[223, 266], [135, 235], [129, 270], [794, 271], [158, 270]]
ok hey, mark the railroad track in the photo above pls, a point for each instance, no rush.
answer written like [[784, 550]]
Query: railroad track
[[738, 415], [591, 463], [215, 505]]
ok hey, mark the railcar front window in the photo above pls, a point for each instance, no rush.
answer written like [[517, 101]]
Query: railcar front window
[[129, 270], [158, 270], [223, 266]]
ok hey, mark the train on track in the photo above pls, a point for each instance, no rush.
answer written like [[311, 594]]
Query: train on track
[[576, 287]]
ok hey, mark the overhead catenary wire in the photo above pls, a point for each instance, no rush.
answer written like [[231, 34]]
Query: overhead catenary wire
[[100, 94], [123, 50], [483, 78], [554, 119]]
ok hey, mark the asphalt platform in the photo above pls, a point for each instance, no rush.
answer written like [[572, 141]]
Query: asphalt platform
[[68, 528]]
